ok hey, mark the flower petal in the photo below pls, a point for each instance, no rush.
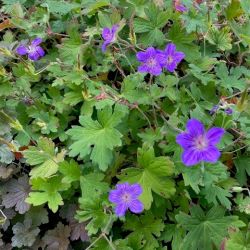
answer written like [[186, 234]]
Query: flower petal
[[211, 154], [161, 57], [135, 190], [114, 28], [195, 127], [34, 56], [151, 52], [178, 56], [115, 196], [156, 70], [170, 49], [36, 41], [214, 135], [122, 186], [104, 46], [142, 56], [191, 157], [21, 50], [106, 33], [40, 51], [136, 206], [121, 209], [143, 68], [185, 140], [171, 67]]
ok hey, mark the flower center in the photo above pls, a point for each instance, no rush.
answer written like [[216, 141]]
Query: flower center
[[32, 49], [126, 197], [201, 142], [169, 59], [151, 62]]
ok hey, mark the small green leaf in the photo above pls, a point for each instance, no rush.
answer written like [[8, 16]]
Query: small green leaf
[[101, 134], [205, 230], [70, 170], [147, 226], [45, 157], [243, 170], [47, 191], [152, 174], [221, 38]]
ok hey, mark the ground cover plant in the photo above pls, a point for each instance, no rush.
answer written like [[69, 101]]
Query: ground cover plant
[[124, 124]]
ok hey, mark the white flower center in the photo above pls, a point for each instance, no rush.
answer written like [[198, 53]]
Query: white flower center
[[201, 142], [32, 49], [151, 62], [170, 59], [126, 197]]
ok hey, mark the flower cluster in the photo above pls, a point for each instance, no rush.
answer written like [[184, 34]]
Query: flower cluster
[[199, 145], [34, 51], [223, 105], [154, 60]]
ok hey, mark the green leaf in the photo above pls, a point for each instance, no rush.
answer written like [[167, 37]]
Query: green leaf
[[150, 27], [47, 191], [104, 20], [174, 234], [142, 25], [101, 134], [133, 89], [92, 185], [92, 203], [243, 170], [204, 229], [147, 226], [239, 240], [45, 157], [234, 10], [230, 79], [216, 194], [60, 7], [70, 170], [152, 174], [220, 38], [184, 42]]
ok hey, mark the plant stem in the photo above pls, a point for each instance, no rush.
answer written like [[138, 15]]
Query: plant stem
[[202, 167], [93, 243]]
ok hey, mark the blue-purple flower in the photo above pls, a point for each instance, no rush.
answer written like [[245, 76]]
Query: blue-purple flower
[[109, 36], [199, 145], [214, 109], [179, 6], [223, 107], [125, 196], [170, 58], [228, 111], [34, 51], [149, 62]]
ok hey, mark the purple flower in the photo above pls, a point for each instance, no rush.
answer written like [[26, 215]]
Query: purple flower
[[150, 62], [179, 7], [109, 36], [169, 58], [126, 197], [228, 111], [214, 109], [34, 51], [199, 145]]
